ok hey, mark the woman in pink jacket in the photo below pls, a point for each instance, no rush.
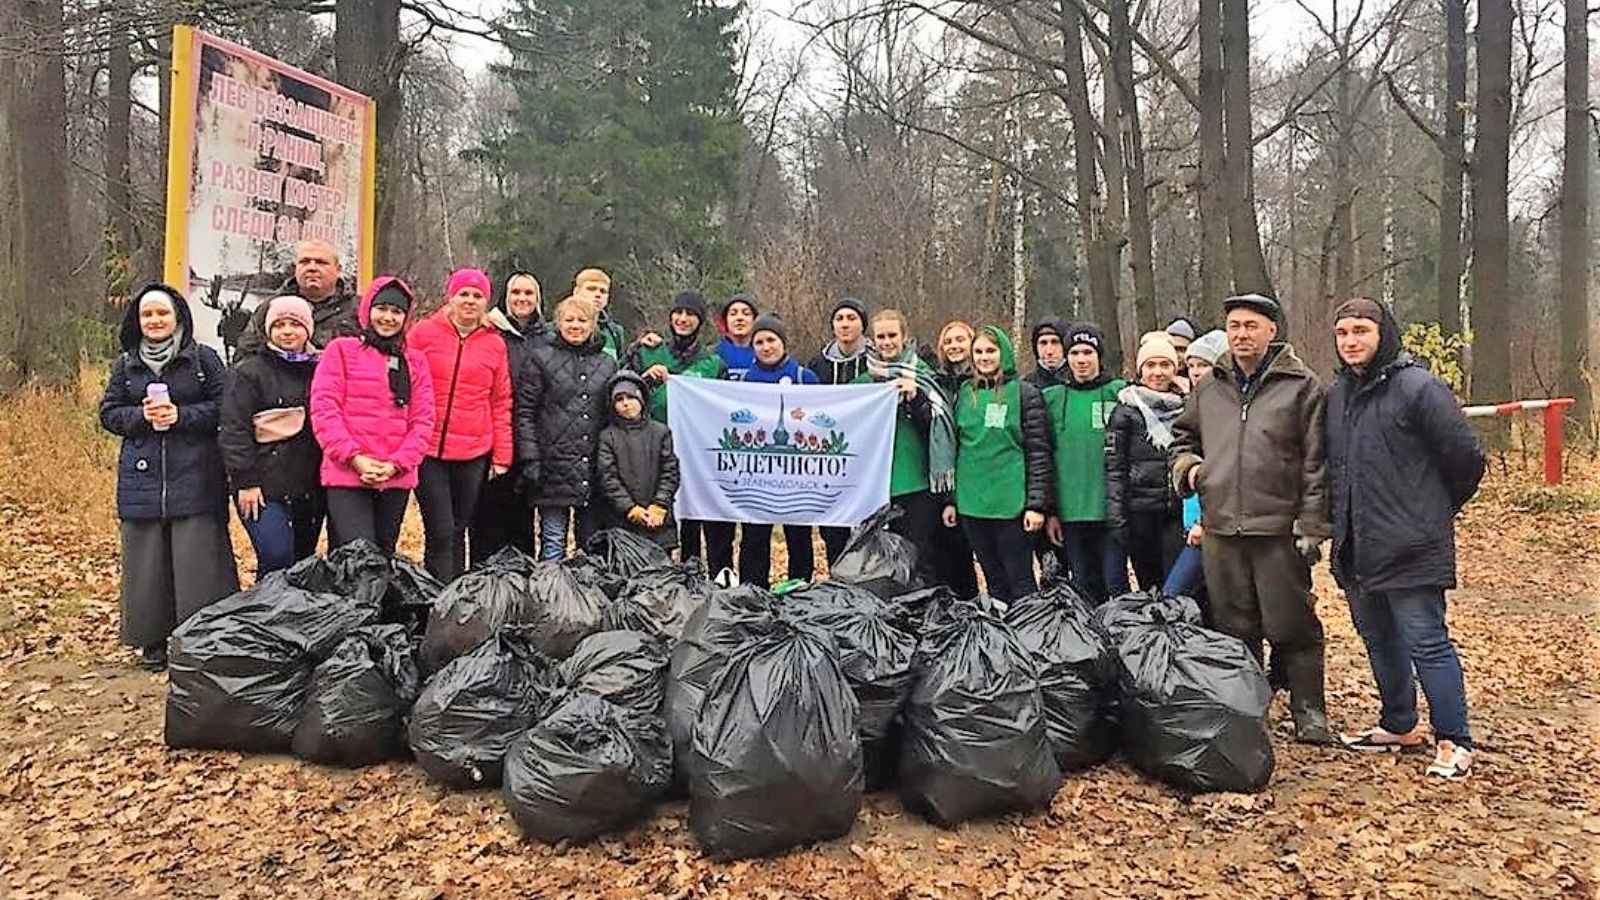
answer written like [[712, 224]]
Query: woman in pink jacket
[[372, 412], [472, 423]]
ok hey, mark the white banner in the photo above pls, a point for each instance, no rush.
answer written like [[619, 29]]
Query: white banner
[[781, 453]]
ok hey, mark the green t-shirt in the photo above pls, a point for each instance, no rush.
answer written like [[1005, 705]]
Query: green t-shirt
[[991, 463], [1078, 420], [908, 470]]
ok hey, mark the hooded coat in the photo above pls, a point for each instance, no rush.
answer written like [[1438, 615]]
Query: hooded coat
[[520, 338], [637, 468], [1262, 445], [175, 473], [560, 409], [283, 470], [1003, 464], [471, 388], [834, 367], [1402, 461], [353, 411]]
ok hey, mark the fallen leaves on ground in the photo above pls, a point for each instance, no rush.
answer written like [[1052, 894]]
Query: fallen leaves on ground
[[92, 804]]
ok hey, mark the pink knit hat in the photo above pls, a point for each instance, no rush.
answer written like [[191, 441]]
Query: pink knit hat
[[291, 307], [463, 278]]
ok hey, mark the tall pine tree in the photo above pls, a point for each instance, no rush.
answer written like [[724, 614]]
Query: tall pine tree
[[623, 146]]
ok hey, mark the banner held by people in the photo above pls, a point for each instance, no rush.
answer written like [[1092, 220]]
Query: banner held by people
[[781, 454]]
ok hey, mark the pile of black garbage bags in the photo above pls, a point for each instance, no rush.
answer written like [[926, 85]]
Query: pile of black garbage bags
[[589, 689]]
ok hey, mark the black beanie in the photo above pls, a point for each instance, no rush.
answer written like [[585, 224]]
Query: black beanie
[[849, 303], [770, 322], [1086, 333], [1048, 325], [690, 301], [392, 294]]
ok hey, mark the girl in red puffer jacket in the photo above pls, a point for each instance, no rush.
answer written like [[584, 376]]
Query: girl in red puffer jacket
[[472, 422]]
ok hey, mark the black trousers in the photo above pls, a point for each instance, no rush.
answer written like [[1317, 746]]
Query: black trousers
[[919, 523], [719, 546], [833, 540], [447, 491], [355, 513], [755, 553], [953, 565], [1153, 542], [503, 518]]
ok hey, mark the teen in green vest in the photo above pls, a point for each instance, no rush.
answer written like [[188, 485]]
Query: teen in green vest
[[922, 470], [1004, 483], [683, 354], [1079, 408]]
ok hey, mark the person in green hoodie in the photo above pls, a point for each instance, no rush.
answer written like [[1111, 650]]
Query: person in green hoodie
[[922, 469], [1004, 478], [1079, 408]]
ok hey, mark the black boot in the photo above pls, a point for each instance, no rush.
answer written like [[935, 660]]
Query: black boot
[[154, 658], [1302, 668]]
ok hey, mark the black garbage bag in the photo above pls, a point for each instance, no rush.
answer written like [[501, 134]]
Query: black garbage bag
[[1116, 616], [731, 619], [876, 558], [666, 596], [357, 569], [975, 742], [624, 552], [1077, 674], [412, 592], [592, 570], [916, 610], [777, 752], [626, 668], [563, 609], [472, 709], [875, 656], [360, 696], [240, 668], [586, 769], [475, 605], [1194, 706]]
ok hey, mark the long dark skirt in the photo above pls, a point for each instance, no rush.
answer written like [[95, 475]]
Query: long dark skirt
[[170, 569]]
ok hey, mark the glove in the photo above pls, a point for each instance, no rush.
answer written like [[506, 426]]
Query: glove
[[1310, 549], [637, 515]]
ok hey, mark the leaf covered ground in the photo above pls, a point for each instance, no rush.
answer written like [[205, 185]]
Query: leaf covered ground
[[92, 804]]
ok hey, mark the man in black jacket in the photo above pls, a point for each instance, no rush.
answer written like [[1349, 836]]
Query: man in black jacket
[[1401, 463], [317, 280]]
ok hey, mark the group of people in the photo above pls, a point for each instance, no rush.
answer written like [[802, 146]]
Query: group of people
[[1217, 472]]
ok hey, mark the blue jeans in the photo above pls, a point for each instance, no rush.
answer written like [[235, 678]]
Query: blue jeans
[[555, 523], [1005, 552], [284, 533], [1188, 573], [1098, 563], [1405, 631]]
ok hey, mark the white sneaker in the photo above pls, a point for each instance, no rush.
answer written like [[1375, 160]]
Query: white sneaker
[[725, 579], [1450, 761]]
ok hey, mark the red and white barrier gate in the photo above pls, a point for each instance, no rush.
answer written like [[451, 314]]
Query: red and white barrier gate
[[1554, 411]]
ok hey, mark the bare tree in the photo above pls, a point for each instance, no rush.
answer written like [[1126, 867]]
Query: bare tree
[[1491, 240], [1577, 160]]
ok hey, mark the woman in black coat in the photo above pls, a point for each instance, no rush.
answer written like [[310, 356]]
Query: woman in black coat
[[272, 457], [560, 408], [1142, 510], [163, 398], [503, 516]]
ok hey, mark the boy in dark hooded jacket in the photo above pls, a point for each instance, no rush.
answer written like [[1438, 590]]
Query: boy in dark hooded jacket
[[636, 468]]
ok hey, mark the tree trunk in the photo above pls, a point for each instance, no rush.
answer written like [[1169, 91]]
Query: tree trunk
[[1244, 234], [1342, 228], [1216, 269], [1102, 280], [1491, 250], [1576, 164], [37, 339], [1131, 134], [119, 237], [1452, 167], [369, 57]]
